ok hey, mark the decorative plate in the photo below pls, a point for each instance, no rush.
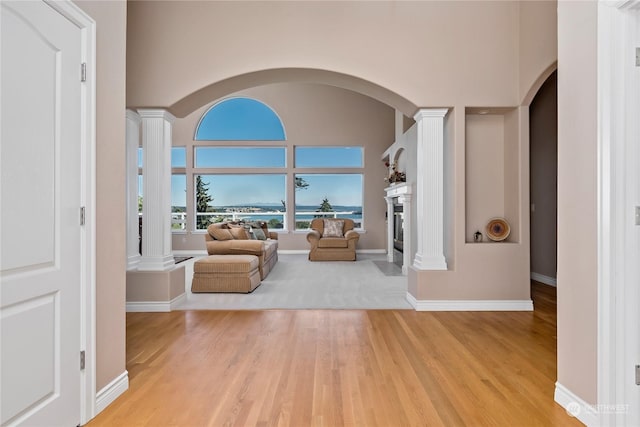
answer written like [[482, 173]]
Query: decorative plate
[[498, 229]]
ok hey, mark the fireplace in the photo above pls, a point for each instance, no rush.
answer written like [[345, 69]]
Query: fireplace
[[398, 197], [398, 227]]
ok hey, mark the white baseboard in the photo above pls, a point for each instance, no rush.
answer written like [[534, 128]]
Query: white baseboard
[[575, 406], [112, 391], [154, 306], [469, 305], [551, 281]]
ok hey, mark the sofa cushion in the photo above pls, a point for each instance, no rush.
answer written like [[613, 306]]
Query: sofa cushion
[[238, 232], [270, 246], [333, 228], [333, 242], [220, 233]]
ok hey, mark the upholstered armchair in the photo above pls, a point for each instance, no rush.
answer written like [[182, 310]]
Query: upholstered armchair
[[332, 239]]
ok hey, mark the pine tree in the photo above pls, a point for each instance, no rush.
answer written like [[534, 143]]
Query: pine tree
[[325, 206], [202, 203]]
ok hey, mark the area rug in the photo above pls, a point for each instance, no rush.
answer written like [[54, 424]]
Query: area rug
[[296, 283]]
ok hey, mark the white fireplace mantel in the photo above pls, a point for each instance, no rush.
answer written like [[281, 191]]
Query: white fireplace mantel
[[401, 191]]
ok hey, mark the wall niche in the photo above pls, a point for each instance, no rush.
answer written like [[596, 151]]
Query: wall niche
[[492, 171]]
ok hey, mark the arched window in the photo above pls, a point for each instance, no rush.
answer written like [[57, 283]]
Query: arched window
[[240, 119]]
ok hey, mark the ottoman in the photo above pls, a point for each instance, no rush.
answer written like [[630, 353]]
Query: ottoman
[[226, 273]]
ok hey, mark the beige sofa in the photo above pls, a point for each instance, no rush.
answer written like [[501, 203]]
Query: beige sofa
[[341, 247], [231, 239]]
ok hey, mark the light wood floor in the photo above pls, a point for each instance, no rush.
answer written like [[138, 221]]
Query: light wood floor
[[347, 367]]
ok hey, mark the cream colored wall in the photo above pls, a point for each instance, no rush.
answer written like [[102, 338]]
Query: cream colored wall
[[318, 115], [432, 53], [110, 17], [544, 170], [577, 198], [538, 37]]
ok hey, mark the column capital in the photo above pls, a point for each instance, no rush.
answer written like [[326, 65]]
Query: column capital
[[133, 116], [424, 113], [156, 113]]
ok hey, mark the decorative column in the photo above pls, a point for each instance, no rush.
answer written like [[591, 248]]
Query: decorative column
[[390, 225], [430, 189], [132, 144], [156, 205], [405, 200]]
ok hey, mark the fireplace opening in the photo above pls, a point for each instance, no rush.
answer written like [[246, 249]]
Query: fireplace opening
[[398, 227]]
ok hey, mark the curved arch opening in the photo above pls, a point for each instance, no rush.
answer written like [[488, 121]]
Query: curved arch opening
[[218, 90], [535, 87]]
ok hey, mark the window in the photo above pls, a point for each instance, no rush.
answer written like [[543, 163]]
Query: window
[[245, 172], [329, 157], [226, 197], [331, 191], [240, 157], [240, 119], [328, 196], [178, 157], [178, 202]]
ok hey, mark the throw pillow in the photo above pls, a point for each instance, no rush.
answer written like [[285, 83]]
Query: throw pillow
[[220, 233], [259, 234], [333, 228], [238, 232]]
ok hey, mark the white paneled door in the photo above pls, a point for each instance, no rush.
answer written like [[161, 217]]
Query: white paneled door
[[40, 259]]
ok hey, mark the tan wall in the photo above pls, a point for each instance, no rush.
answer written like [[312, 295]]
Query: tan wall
[[155, 286], [544, 180], [110, 17], [577, 198], [537, 44], [318, 115], [432, 53]]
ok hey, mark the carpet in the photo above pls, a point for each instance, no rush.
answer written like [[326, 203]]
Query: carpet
[[296, 283]]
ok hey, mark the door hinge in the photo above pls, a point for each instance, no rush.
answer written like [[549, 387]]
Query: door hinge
[[82, 215], [82, 360], [83, 72]]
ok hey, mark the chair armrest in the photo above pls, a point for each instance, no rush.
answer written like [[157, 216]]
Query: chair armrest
[[313, 236], [235, 247], [351, 235]]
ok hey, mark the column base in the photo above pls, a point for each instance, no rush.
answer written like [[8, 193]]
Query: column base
[[133, 261], [161, 263], [423, 262]]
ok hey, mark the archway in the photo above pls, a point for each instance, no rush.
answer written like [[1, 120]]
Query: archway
[[217, 90]]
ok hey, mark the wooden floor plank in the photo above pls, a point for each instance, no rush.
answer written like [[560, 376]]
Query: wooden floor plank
[[341, 368]]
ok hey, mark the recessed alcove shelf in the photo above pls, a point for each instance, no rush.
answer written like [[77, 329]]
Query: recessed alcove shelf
[[492, 171]]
